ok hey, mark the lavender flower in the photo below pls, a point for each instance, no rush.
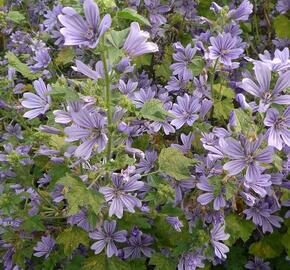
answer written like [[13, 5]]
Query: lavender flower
[[120, 196], [87, 127], [138, 246], [279, 131], [262, 89], [210, 195], [77, 31], [13, 131], [191, 261], [81, 220], [245, 155], [261, 215], [87, 71], [155, 10], [185, 111], [218, 234], [147, 163], [127, 88], [39, 102], [107, 237], [225, 48], [136, 43], [242, 12], [42, 59], [51, 17], [283, 6], [184, 57], [175, 223], [258, 264], [260, 185], [44, 247], [186, 143]]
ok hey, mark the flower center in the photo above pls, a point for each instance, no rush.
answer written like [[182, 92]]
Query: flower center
[[89, 34]]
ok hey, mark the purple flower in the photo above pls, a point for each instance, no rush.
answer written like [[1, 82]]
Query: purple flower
[[138, 246], [183, 57], [77, 31], [185, 111], [107, 237], [44, 180], [225, 48], [191, 261], [120, 195], [245, 155], [186, 143], [177, 84], [262, 89], [140, 97], [261, 215], [81, 220], [127, 88], [181, 187], [242, 12], [39, 102], [218, 234], [87, 71], [87, 127], [51, 17], [13, 131], [258, 264], [147, 163], [155, 10], [175, 223], [210, 195], [65, 117], [42, 59], [283, 6], [260, 184], [279, 127], [280, 62], [44, 247], [136, 43]]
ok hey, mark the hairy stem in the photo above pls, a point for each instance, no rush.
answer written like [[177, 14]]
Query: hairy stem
[[108, 104]]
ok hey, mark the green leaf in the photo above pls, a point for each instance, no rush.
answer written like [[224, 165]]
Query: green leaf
[[32, 224], [79, 196], [153, 110], [143, 60], [106, 4], [222, 109], [16, 16], [20, 67], [65, 56], [236, 259], [64, 92], [269, 247], [71, 238], [101, 262], [197, 65], [117, 38], [174, 163], [282, 26], [244, 121], [238, 227], [161, 262], [286, 241], [132, 15], [221, 91]]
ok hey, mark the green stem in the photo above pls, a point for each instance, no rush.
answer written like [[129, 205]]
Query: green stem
[[108, 104], [212, 79]]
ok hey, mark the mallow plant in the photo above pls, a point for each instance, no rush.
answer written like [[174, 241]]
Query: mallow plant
[[144, 135]]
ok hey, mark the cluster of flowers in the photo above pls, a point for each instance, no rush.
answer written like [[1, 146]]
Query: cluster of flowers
[[181, 142]]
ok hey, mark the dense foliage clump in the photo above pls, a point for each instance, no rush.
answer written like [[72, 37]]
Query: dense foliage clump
[[144, 134]]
